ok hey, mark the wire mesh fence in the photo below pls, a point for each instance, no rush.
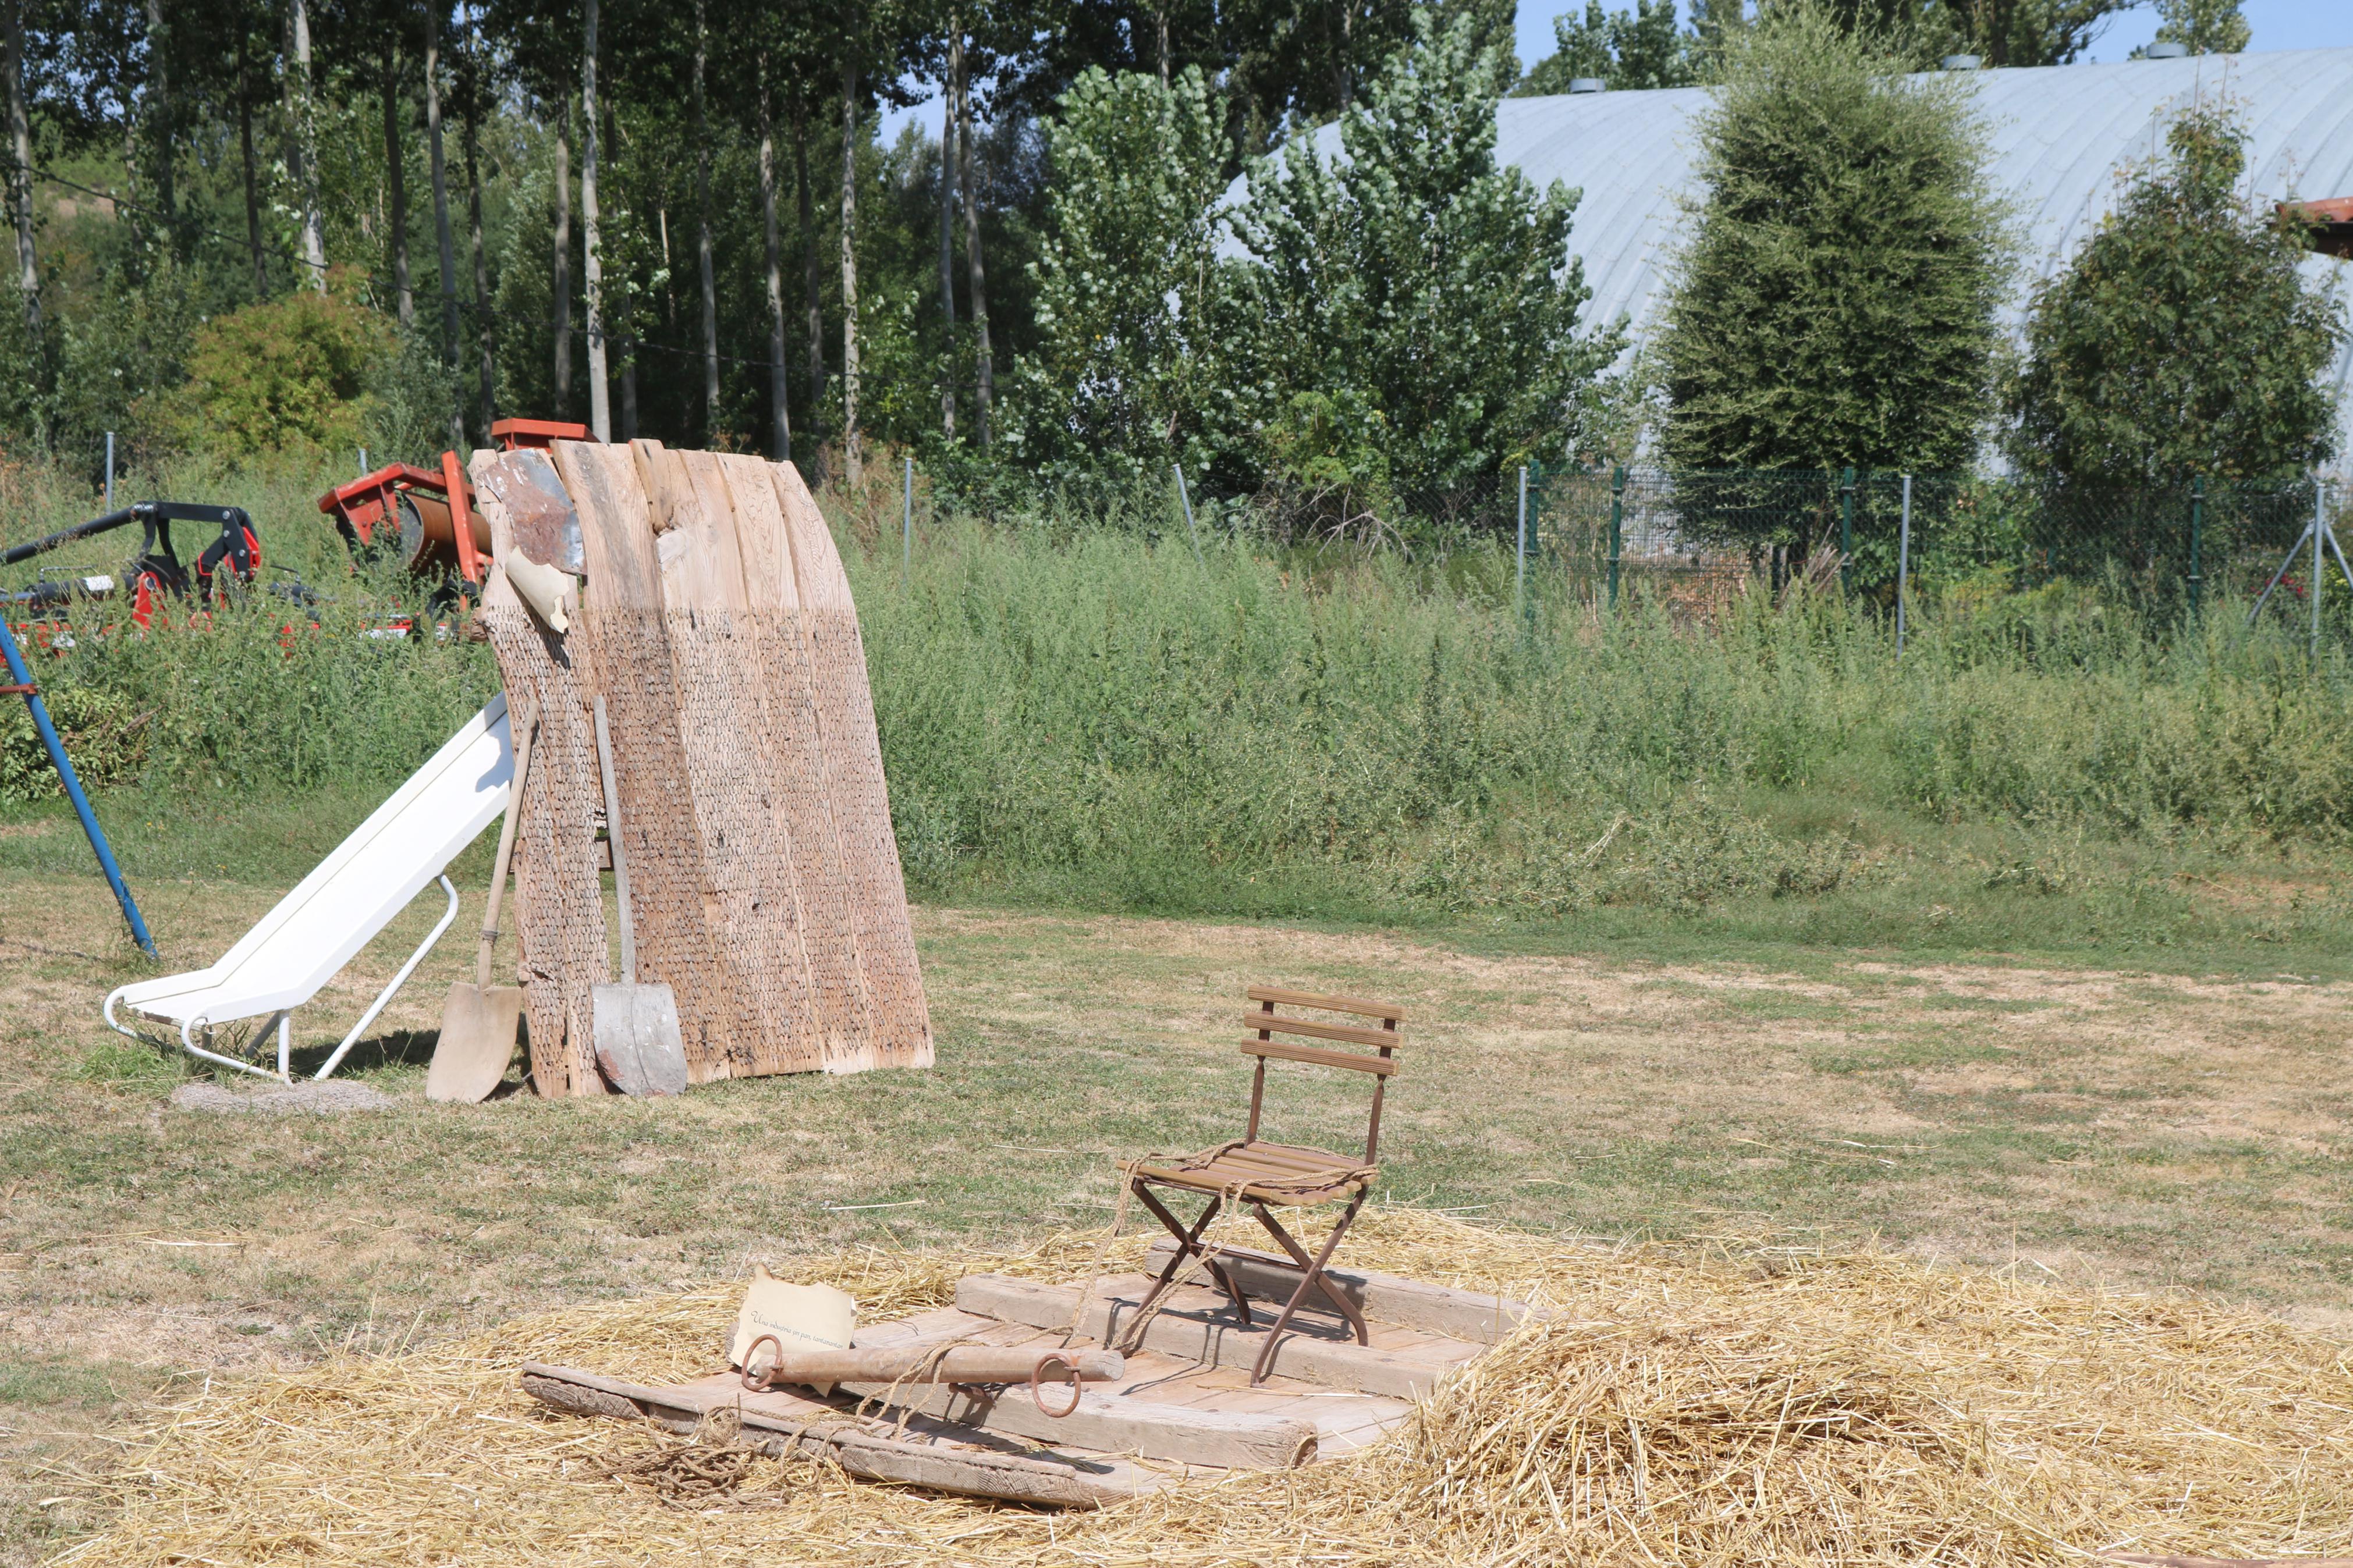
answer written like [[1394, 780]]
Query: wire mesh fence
[[1689, 539]]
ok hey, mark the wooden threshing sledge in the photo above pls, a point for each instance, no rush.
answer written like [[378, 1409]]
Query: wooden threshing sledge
[[1219, 1358]]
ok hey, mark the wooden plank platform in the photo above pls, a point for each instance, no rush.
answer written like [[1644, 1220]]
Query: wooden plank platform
[[1184, 1404]]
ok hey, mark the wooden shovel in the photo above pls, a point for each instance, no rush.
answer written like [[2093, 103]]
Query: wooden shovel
[[479, 1021], [634, 1027]]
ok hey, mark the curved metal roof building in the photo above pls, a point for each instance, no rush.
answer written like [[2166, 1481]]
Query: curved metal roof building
[[2062, 136]]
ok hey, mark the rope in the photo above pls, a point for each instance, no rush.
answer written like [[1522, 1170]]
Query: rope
[[1206, 1253]]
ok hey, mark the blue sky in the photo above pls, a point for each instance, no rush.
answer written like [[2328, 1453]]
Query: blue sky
[[2277, 24]]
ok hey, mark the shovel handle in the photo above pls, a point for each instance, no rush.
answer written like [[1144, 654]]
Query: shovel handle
[[506, 853], [613, 836]]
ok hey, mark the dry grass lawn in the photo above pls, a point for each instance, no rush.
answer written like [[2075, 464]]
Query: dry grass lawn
[[2142, 1130]]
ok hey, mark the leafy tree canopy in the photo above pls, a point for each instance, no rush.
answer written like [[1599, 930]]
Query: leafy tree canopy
[[1833, 302], [1122, 373], [1637, 48], [1411, 306], [2208, 27], [2182, 339]]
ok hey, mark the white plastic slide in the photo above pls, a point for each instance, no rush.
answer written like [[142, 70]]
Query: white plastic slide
[[298, 946]]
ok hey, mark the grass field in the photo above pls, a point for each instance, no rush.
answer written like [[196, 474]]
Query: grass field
[[2180, 1121]]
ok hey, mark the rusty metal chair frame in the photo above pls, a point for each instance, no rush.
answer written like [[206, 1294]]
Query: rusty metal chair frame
[[1227, 1172]]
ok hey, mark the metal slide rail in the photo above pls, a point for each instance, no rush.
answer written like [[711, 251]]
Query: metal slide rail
[[283, 1021]]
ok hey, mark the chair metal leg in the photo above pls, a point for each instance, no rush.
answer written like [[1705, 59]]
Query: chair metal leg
[[1313, 1275], [1340, 1303], [1188, 1244]]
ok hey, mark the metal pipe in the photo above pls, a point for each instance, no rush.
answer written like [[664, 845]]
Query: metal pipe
[[2319, 527], [1846, 529], [386, 995], [68, 535], [1184, 496], [907, 499], [23, 679], [2196, 527], [1520, 587], [110, 470], [1617, 526], [920, 1363], [1903, 563]]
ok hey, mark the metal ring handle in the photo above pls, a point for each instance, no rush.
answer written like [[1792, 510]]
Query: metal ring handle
[[755, 1383], [1038, 1377]]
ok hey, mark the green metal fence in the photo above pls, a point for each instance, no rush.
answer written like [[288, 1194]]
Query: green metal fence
[[1690, 538]]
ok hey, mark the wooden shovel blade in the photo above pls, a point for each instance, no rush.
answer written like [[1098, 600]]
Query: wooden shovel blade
[[477, 1040], [636, 1036]]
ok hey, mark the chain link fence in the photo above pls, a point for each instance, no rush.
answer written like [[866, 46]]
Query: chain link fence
[[1690, 540]]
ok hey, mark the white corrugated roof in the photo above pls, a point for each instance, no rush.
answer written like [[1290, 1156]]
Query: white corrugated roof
[[2061, 134]]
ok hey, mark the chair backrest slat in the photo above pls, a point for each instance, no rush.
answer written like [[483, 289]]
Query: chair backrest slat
[[1269, 1023], [1285, 1051], [1363, 1009], [1348, 1033]]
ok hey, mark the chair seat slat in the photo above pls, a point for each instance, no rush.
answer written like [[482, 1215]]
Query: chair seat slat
[[1350, 1033]]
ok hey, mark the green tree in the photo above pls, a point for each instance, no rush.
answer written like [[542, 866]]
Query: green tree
[[1637, 48], [1122, 375], [1408, 305], [2208, 27], [2183, 338], [1834, 302], [290, 371]]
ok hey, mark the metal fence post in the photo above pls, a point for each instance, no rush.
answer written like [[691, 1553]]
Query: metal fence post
[[110, 470], [2319, 526], [1191, 533], [1846, 528], [1617, 526], [907, 529], [1902, 565], [2196, 527], [1521, 579]]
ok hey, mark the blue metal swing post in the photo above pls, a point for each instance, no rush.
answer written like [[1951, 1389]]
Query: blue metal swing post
[[23, 687]]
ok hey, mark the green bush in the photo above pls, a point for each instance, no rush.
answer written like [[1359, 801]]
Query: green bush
[[106, 738], [292, 372]]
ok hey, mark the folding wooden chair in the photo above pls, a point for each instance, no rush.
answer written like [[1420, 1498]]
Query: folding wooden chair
[[1267, 1175]]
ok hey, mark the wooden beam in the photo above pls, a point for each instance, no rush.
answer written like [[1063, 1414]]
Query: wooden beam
[[1035, 1478], [1203, 1334], [1466, 1315]]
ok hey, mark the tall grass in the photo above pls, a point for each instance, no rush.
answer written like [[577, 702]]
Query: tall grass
[[1088, 716], [1101, 714]]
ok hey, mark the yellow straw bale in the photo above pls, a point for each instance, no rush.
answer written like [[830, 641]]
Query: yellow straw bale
[[1737, 1403]]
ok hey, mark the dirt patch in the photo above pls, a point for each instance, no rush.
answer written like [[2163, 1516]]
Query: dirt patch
[[336, 1097]]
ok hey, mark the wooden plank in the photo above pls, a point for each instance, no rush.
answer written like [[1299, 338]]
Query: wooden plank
[[1382, 1066], [797, 790], [1347, 1032], [1205, 1337], [559, 912], [1039, 1477], [1363, 1009], [854, 782], [625, 635], [1469, 1316]]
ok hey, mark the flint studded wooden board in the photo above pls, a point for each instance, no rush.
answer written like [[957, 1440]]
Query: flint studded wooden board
[[720, 630], [751, 860], [677, 916]]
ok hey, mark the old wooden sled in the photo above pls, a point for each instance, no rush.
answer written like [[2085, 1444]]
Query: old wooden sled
[[1183, 1407]]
